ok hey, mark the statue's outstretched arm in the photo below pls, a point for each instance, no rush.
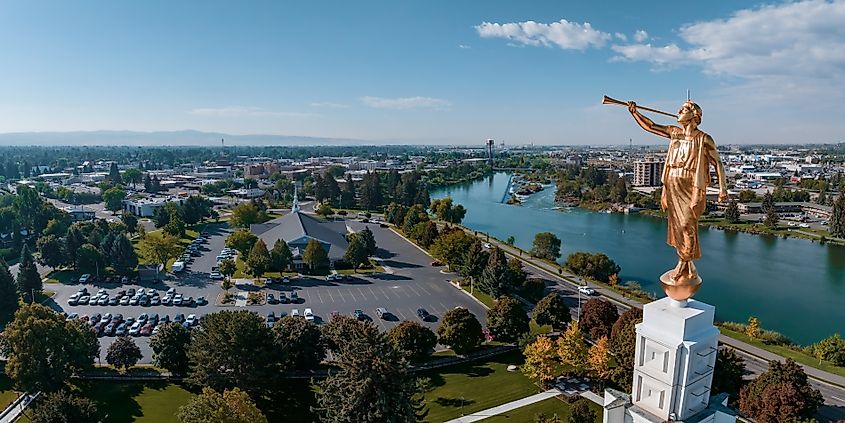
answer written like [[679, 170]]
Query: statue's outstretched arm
[[647, 123]]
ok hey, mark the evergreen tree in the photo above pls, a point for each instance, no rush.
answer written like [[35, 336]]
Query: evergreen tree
[[768, 202], [8, 295], [728, 372], [51, 251], [837, 219], [280, 256], [732, 212], [315, 255], [771, 220], [28, 281], [347, 196], [148, 183], [496, 278], [258, 260], [369, 240], [123, 257], [114, 174], [474, 258], [356, 251], [551, 310], [371, 197], [507, 320]]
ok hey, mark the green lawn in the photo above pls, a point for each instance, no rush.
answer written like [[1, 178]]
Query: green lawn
[[549, 407], [469, 387], [481, 296], [62, 276], [7, 394], [781, 350]]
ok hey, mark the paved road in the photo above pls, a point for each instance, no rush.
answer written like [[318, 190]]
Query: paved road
[[756, 359], [411, 283]]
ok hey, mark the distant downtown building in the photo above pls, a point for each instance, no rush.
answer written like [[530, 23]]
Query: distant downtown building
[[648, 172]]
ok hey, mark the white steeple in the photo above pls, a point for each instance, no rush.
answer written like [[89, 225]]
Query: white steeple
[[295, 207]]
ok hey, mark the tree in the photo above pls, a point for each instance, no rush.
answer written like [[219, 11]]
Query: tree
[[347, 195], [241, 240], [158, 248], [412, 340], [372, 385], [258, 260], [325, 210], [114, 173], [123, 353], [342, 333], [170, 348], [475, 256], [8, 295], [507, 320], [132, 176], [123, 257], [460, 330], [768, 202], [831, 349], [837, 218], [227, 269], [233, 406], [732, 212], [28, 281], [371, 197], [752, 329], [356, 251], [416, 214], [195, 209], [444, 210], [623, 338], [771, 220], [425, 233], [546, 246], [113, 198], [246, 214], [176, 226], [728, 372], [51, 251], [496, 278], [43, 350], [369, 240], [572, 349], [315, 255], [280, 256], [63, 407], [218, 347], [551, 310], [396, 214], [782, 393], [596, 266], [451, 248], [89, 259], [598, 317], [598, 359], [581, 412], [299, 342], [540, 363]]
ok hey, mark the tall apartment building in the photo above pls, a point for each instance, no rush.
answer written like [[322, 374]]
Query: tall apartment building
[[648, 172]]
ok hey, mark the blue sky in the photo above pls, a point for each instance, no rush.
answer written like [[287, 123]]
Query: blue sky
[[424, 71]]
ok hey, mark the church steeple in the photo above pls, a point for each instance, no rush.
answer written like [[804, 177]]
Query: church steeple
[[295, 207]]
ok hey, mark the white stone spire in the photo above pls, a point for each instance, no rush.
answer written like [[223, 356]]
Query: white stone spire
[[295, 207]]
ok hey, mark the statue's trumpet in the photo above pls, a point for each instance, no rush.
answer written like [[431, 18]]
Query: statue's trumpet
[[608, 100]]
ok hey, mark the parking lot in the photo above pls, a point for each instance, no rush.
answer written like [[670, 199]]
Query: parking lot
[[408, 283]]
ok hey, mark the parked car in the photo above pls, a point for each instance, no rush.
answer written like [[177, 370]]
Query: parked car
[[84, 278], [179, 318], [309, 315], [171, 291], [271, 299], [294, 313], [177, 300], [201, 301], [130, 292], [83, 300], [72, 316], [135, 328], [146, 330], [283, 298], [358, 314], [121, 330], [294, 297], [381, 312], [192, 319], [167, 300], [216, 275], [125, 300], [73, 300], [104, 300], [113, 301], [423, 314], [155, 300]]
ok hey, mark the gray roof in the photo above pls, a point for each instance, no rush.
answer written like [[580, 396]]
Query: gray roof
[[294, 226]]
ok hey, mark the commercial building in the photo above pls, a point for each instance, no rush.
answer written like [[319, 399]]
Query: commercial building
[[146, 207], [648, 173], [80, 213]]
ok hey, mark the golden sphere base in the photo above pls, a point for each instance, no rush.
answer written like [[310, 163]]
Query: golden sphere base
[[679, 290]]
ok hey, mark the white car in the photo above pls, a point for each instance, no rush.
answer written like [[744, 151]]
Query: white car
[[136, 327], [84, 278], [294, 312], [192, 319], [309, 315], [586, 290], [216, 275], [487, 245]]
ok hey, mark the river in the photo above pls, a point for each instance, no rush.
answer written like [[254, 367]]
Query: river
[[793, 286]]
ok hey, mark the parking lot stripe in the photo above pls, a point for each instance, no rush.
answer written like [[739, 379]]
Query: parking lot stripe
[[423, 289], [435, 287], [351, 294], [405, 291], [329, 291], [401, 314], [321, 297], [364, 297], [373, 292], [412, 289], [340, 294], [384, 293]]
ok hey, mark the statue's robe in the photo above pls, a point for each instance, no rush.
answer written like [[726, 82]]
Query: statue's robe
[[685, 179]]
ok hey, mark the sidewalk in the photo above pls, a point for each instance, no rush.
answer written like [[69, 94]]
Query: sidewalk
[[759, 353], [504, 408], [14, 410]]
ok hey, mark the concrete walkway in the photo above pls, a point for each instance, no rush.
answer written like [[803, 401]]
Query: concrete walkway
[[573, 280], [504, 408], [16, 408]]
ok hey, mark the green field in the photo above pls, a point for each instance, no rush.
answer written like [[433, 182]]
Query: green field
[[549, 407], [784, 351], [7, 394], [469, 387]]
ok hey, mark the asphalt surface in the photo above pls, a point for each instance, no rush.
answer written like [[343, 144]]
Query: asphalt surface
[[409, 282]]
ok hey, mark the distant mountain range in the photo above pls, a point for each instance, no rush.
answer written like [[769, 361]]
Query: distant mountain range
[[161, 138]]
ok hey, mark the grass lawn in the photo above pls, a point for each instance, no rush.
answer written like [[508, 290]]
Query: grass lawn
[[549, 407], [781, 350], [62, 276], [481, 296], [374, 268], [469, 387], [7, 394]]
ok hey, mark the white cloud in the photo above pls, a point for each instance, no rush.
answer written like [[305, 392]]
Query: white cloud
[[803, 39], [620, 36], [464, 46], [329, 105], [405, 102], [640, 36], [564, 34], [243, 111]]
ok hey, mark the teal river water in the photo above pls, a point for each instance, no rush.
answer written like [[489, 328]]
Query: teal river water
[[794, 286]]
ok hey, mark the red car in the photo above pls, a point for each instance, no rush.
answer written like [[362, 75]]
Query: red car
[[146, 330]]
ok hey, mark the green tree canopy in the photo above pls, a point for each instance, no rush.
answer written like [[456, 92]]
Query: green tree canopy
[[551, 310], [123, 257], [315, 255], [546, 246], [170, 348], [123, 353], [258, 260], [781, 393], [113, 198], [43, 350], [246, 214], [356, 251], [728, 372], [300, 343], [29, 280], [233, 406], [595, 266], [413, 340], [63, 407], [507, 320], [8, 295], [51, 251], [460, 330], [280, 256], [158, 248], [241, 240]]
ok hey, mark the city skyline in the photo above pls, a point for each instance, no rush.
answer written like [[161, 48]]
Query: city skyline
[[423, 73]]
